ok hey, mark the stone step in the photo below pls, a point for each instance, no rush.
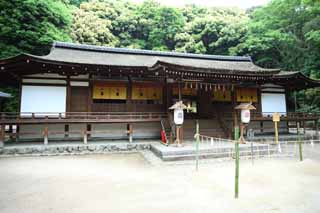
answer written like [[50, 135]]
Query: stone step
[[189, 152]]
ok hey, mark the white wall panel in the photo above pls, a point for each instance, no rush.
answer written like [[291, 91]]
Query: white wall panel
[[43, 99], [273, 102]]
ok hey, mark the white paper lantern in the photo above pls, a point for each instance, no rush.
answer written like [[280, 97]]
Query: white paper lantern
[[245, 116], [178, 116]]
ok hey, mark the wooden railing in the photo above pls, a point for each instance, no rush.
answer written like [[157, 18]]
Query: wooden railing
[[285, 116], [79, 117], [110, 117]]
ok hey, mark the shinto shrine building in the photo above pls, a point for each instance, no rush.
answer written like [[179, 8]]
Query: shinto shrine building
[[117, 93]]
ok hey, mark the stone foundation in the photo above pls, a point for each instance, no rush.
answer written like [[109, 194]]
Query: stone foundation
[[42, 150]]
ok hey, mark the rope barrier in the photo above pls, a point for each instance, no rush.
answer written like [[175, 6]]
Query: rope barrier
[[212, 146]]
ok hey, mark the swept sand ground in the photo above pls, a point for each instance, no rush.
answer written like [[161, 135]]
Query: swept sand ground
[[127, 183]]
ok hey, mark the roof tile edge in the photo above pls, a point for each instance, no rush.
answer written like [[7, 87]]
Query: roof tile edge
[[95, 48]]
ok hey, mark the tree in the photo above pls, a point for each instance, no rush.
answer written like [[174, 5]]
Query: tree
[[286, 34], [280, 34], [168, 22], [89, 28], [212, 31], [29, 25]]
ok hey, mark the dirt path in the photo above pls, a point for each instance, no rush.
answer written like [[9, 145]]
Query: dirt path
[[126, 183]]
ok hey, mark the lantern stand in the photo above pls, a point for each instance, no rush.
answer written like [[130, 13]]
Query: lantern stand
[[178, 108], [245, 118]]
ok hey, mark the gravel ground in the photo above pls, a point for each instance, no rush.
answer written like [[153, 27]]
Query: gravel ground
[[128, 183]]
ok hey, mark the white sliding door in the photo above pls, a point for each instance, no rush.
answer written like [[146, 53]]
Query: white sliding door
[[43, 100], [273, 102]]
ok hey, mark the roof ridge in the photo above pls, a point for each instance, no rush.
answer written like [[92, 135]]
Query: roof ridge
[[69, 45]]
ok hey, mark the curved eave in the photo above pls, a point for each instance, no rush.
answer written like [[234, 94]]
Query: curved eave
[[296, 81], [42, 59], [167, 66], [10, 64]]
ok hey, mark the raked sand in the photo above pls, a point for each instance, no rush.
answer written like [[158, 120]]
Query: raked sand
[[127, 183]]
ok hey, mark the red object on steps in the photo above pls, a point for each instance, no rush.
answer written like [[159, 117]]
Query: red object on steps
[[163, 136]]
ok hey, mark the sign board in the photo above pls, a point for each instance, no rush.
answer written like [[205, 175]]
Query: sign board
[[276, 117]]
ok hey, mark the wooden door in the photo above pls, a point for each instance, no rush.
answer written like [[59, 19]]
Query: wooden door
[[79, 99]]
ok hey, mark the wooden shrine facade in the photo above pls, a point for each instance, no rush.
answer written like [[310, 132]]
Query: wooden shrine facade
[[109, 89]]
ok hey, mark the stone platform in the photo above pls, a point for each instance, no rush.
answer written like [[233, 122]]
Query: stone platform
[[222, 150]]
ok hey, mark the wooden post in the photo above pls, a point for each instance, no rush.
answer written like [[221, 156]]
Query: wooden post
[[2, 135], [276, 119], [165, 95], [68, 98], [130, 132], [179, 89], [181, 134], [129, 95], [276, 132], [85, 137], [300, 144], [45, 136], [178, 135], [66, 130], [317, 129], [197, 144], [241, 138]]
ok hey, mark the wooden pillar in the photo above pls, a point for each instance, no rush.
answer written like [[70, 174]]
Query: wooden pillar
[[181, 135], [2, 135], [165, 95], [129, 95], [89, 128], [66, 130], [317, 129], [20, 97], [20, 94], [169, 95], [68, 95], [90, 100], [261, 127], [130, 132], [178, 135], [179, 90], [45, 136], [85, 137], [180, 128]]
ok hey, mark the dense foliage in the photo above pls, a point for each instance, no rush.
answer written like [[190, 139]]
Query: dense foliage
[[29, 25], [284, 33]]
